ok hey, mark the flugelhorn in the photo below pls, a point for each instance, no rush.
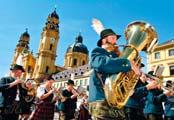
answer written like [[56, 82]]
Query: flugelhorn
[[169, 86]]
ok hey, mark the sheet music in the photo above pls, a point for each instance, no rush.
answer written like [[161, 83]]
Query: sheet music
[[159, 70]]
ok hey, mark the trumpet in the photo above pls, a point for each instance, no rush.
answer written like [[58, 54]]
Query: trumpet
[[168, 86], [114, 48]]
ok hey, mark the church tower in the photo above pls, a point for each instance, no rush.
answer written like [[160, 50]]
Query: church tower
[[23, 43], [45, 61], [76, 54]]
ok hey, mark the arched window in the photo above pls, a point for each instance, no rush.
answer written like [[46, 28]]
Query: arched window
[[83, 63], [75, 62], [47, 68], [29, 69], [51, 46]]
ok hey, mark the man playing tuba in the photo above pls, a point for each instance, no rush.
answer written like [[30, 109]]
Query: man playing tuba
[[105, 61]]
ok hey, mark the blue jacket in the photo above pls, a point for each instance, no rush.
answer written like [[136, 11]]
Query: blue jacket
[[169, 106], [136, 100], [105, 63], [3, 87], [9, 94], [154, 101]]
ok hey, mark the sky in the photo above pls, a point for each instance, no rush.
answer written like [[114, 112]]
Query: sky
[[75, 16]]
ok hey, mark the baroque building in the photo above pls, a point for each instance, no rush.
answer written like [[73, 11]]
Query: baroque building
[[24, 56], [45, 61], [76, 54], [163, 55], [43, 64], [23, 44]]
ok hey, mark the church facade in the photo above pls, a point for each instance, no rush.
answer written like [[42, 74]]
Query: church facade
[[43, 64]]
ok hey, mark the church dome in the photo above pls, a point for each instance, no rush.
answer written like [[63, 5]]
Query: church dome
[[78, 46]]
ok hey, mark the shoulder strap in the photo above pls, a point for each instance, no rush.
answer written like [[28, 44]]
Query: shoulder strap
[[99, 76]]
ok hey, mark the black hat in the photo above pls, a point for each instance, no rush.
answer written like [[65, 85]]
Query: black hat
[[168, 83], [151, 73], [105, 33], [142, 65], [50, 77], [70, 82], [17, 67]]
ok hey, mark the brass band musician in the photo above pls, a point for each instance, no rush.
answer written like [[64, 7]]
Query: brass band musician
[[105, 61]]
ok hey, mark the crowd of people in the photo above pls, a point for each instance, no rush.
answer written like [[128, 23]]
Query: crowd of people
[[16, 106], [148, 101]]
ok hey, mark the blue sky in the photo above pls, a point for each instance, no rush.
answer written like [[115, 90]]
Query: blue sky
[[76, 16]]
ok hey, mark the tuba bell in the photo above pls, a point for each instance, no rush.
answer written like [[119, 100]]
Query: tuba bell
[[140, 36]]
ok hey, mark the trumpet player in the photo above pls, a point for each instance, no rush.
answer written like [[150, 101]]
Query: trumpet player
[[69, 101], [134, 107], [105, 61], [10, 95], [153, 107], [45, 105], [169, 102]]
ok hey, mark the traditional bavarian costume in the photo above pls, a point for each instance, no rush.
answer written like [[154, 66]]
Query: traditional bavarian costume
[[45, 107]]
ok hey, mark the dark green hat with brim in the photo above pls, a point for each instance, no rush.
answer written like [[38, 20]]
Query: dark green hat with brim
[[17, 67], [105, 33], [142, 65], [70, 82]]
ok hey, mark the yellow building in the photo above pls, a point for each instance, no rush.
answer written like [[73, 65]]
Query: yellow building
[[24, 56], [76, 63], [45, 61], [76, 54], [23, 45], [163, 54]]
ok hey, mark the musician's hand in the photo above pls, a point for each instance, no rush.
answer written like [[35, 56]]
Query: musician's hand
[[17, 81], [131, 93], [52, 91], [168, 93], [152, 85], [135, 68], [57, 90], [143, 77]]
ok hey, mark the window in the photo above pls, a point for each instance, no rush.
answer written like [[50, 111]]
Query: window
[[171, 52], [29, 69], [51, 46], [81, 82], [75, 62], [85, 82], [76, 82], [171, 70], [83, 63], [47, 68], [157, 55]]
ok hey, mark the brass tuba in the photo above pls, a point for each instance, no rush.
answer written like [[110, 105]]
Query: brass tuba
[[141, 36]]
